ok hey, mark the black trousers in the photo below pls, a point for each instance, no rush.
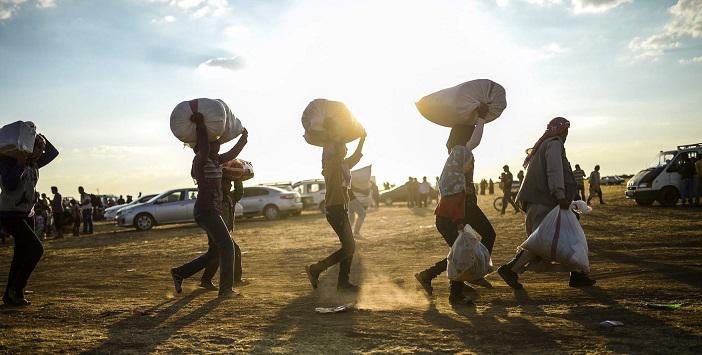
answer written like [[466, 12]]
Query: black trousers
[[213, 265], [87, 221], [220, 246], [338, 219], [58, 223], [27, 253], [507, 199], [449, 231]]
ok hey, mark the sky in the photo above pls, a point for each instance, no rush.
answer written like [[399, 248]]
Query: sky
[[100, 78]]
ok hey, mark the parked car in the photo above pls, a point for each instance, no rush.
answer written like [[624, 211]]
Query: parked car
[[111, 212], [270, 202], [611, 180], [399, 194], [660, 181], [172, 206], [312, 193], [281, 185]]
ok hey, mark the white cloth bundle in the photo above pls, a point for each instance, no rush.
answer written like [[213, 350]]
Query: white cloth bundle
[[458, 105], [17, 138], [215, 119], [327, 121], [232, 128]]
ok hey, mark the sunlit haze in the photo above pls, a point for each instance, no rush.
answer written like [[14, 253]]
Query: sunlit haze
[[100, 79]]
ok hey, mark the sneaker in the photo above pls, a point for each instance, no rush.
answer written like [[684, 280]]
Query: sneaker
[[13, 299], [177, 281], [510, 277], [208, 285], [581, 280], [460, 300], [312, 276], [425, 283], [481, 282], [347, 287]]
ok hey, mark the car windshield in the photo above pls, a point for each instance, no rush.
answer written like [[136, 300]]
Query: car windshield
[[662, 159]]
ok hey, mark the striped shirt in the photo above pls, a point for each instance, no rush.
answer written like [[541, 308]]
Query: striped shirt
[[579, 176]]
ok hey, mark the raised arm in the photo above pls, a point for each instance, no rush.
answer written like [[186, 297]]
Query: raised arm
[[50, 153], [356, 156], [477, 135], [203, 144], [236, 149]]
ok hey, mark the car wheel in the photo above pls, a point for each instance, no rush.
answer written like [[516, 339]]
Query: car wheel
[[144, 222], [271, 213], [388, 201], [644, 202], [669, 196]]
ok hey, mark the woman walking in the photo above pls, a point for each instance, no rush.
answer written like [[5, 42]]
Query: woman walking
[[207, 172], [19, 180]]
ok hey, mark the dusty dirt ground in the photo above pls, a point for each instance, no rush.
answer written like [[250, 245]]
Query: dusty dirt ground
[[111, 292]]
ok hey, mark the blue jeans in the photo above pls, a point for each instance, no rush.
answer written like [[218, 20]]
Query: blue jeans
[[220, 246], [87, 220]]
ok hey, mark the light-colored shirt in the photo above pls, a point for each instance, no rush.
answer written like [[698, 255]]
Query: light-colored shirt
[[424, 187], [85, 202]]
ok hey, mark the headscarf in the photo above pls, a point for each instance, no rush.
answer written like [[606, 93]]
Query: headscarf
[[557, 127]]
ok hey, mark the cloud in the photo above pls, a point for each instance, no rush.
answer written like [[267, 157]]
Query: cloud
[[232, 63], [596, 6], [545, 52], [164, 19], [685, 24], [691, 60], [198, 8], [8, 8]]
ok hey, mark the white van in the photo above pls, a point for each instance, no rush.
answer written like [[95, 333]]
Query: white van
[[660, 181], [312, 192]]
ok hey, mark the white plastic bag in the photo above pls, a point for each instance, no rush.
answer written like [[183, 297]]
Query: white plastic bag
[[215, 119], [468, 259], [17, 138], [232, 128], [341, 125], [458, 105], [560, 238]]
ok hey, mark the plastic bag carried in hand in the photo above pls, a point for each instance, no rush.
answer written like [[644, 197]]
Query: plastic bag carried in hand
[[17, 138], [561, 239], [328, 121], [458, 105], [468, 259], [232, 127], [215, 119]]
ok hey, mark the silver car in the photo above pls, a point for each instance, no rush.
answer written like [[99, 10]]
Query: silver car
[[111, 212], [173, 206], [271, 202]]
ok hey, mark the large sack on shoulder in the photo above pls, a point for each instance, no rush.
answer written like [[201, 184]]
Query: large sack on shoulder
[[232, 128], [327, 121], [468, 259], [560, 238], [458, 105], [17, 138], [212, 110], [237, 170]]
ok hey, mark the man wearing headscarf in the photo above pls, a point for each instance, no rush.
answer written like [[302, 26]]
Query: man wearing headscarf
[[549, 182]]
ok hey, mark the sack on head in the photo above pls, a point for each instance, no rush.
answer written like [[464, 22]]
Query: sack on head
[[328, 121], [215, 119], [17, 138], [458, 105], [232, 127]]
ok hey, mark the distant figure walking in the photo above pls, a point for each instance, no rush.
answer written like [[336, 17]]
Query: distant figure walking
[[595, 188], [357, 213], [337, 177], [18, 181], [506, 183], [698, 179], [520, 176], [376, 194], [207, 172], [686, 169], [120, 200], [580, 180], [409, 186], [491, 187], [483, 186], [86, 209], [424, 190], [76, 215], [57, 210]]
